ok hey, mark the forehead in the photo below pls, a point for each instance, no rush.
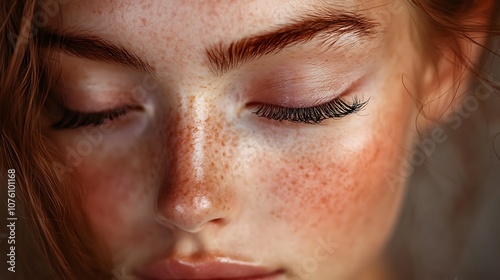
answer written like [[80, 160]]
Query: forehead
[[206, 21], [168, 30]]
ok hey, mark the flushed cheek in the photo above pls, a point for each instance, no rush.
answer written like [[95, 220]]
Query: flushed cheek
[[341, 194]]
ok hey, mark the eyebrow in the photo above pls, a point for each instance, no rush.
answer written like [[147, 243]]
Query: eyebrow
[[222, 57], [330, 24], [92, 47]]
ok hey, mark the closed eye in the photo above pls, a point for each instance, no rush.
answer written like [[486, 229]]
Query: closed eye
[[334, 109], [73, 119]]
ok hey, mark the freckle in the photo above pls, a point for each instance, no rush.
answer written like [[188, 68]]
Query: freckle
[[143, 21]]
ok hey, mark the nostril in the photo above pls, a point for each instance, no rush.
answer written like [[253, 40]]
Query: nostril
[[192, 216], [218, 221], [188, 225]]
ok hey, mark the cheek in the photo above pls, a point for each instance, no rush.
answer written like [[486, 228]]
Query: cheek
[[342, 187], [337, 186], [341, 196], [117, 193]]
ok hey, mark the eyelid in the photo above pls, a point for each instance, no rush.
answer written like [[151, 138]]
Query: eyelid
[[304, 86], [72, 119]]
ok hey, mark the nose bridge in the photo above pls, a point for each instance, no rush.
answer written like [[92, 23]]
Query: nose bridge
[[196, 189], [196, 142]]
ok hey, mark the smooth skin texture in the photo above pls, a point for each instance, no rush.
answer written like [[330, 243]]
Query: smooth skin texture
[[191, 171]]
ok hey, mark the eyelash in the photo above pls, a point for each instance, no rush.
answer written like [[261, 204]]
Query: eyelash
[[72, 119], [336, 108]]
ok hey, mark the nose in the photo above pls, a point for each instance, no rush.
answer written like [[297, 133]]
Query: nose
[[197, 187]]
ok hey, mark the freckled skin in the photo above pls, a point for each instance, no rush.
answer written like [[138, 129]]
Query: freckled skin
[[198, 173]]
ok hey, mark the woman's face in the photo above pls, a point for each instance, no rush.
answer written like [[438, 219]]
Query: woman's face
[[187, 181]]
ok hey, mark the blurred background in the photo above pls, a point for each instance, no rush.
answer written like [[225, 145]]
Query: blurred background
[[450, 224]]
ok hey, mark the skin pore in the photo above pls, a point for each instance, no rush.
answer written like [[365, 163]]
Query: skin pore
[[189, 172]]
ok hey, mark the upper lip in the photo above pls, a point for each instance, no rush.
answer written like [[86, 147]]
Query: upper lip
[[204, 268]]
